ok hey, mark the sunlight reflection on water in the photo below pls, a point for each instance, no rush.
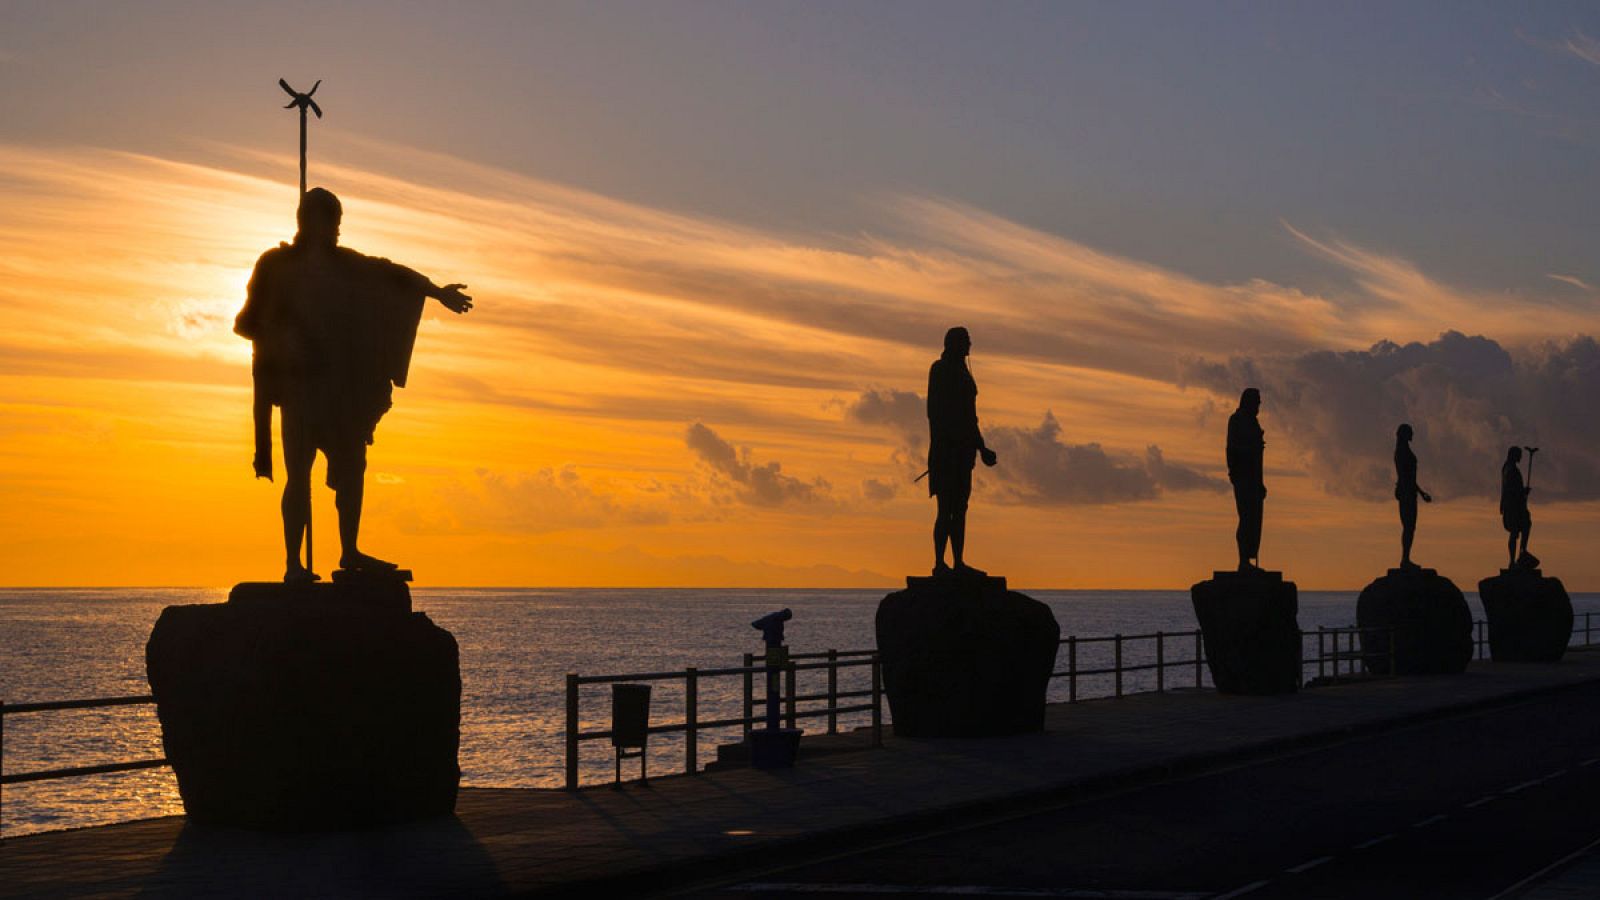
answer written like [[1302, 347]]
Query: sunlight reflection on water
[[516, 648]]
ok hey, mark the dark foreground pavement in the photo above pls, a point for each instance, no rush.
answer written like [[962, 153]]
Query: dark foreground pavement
[[1461, 807]]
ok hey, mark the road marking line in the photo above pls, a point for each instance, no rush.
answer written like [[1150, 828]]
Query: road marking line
[[1306, 866], [1516, 888], [966, 890], [1480, 801], [1375, 841], [1429, 821], [1240, 892], [1521, 787], [1556, 774], [1590, 761]]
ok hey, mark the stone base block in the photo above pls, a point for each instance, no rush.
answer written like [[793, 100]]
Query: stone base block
[[307, 708], [964, 657], [1530, 616], [1430, 620], [1250, 624]]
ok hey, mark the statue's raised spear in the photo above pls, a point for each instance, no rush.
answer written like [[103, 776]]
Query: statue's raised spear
[[303, 101]]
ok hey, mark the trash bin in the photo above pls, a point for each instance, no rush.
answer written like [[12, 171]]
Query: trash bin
[[630, 724]]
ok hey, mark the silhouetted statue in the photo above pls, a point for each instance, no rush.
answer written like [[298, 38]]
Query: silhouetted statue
[[1514, 507], [333, 332], [954, 443], [1406, 490], [1246, 445]]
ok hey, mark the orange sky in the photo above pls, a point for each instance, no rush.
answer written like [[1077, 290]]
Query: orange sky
[[545, 438]]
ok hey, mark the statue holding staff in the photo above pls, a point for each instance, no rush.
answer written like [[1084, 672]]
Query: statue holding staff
[[333, 332], [1514, 513]]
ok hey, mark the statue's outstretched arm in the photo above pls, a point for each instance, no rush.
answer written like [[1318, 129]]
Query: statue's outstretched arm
[[451, 297]]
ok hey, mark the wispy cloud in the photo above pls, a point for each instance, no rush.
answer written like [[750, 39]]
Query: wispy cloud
[[1573, 280], [1582, 46]]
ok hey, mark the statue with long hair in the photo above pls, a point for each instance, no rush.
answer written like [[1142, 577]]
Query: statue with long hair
[[1406, 491]]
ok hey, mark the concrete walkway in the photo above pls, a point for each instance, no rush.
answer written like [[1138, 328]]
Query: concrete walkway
[[679, 829]]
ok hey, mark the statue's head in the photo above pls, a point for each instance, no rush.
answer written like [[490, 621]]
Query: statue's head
[[957, 342], [1250, 401], [1514, 455], [318, 217], [1403, 433]]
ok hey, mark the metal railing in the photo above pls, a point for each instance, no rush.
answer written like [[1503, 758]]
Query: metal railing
[[790, 698], [1333, 663], [12, 709], [1118, 668]]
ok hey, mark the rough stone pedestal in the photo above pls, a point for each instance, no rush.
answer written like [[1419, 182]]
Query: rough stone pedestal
[[1251, 631], [1530, 616], [1431, 623], [308, 708], [964, 657]]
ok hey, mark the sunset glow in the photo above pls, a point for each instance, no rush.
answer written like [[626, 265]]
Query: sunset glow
[[573, 430]]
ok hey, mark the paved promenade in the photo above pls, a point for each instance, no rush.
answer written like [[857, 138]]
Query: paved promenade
[[679, 829]]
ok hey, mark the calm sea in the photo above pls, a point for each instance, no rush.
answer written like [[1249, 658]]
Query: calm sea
[[516, 647]]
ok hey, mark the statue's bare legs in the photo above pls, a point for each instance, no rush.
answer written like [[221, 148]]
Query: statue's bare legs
[[950, 526], [1511, 544], [348, 471], [298, 454], [348, 501], [1408, 532]]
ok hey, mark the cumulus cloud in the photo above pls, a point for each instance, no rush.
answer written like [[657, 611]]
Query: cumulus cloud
[[903, 411], [758, 484], [1467, 397], [1037, 467], [877, 491]]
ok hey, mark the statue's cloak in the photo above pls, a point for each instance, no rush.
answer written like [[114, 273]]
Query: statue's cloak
[[332, 335]]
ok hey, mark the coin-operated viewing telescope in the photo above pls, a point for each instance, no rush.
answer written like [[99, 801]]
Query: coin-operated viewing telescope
[[771, 626], [774, 747]]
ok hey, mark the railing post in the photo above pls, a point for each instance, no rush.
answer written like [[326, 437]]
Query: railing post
[[1481, 641], [1586, 629], [877, 701], [1199, 652], [1117, 666], [749, 696], [691, 720], [572, 731], [789, 693], [833, 691], [1072, 668], [1161, 661], [1322, 652]]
